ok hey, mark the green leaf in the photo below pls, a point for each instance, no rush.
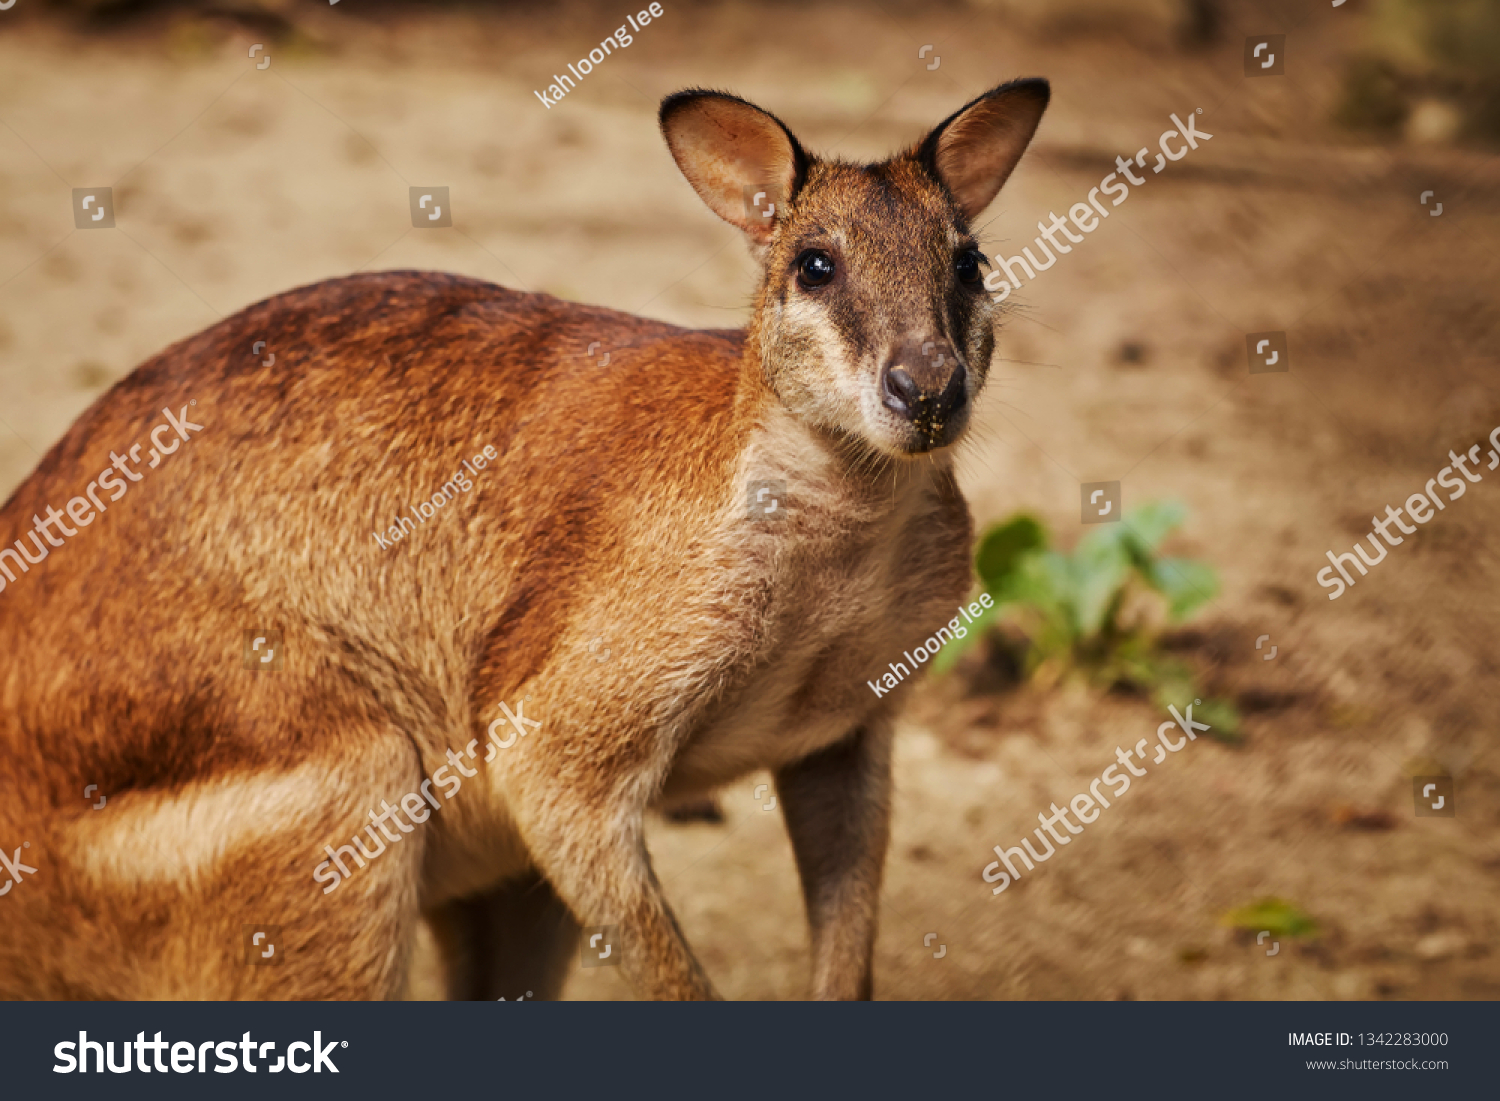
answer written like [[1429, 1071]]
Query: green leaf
[[1003, 546], [1274, 915], [1187, 584], [1044, 581], [1145, 528], [1224, 720], [1135, 661], [1099, 568]]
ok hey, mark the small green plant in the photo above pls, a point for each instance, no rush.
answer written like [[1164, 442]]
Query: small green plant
[[1273, 915], [1072, 608]]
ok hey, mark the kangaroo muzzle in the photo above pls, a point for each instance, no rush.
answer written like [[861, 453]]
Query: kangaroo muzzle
[[926, 386]]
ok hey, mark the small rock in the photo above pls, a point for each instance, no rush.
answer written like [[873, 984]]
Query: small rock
[[1438, 946], [1433, 122]]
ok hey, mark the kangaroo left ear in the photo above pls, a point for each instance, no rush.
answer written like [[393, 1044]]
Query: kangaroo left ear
[[974, 150]]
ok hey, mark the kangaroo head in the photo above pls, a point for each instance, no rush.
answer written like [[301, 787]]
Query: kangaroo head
[[871, 321]]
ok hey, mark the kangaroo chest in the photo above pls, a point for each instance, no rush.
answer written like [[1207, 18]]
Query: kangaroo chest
[[812, 600]]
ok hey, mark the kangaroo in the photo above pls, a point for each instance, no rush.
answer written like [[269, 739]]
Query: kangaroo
[[667, 571]]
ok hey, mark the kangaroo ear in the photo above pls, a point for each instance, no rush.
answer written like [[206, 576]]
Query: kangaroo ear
[[740, 160], [974, 150]]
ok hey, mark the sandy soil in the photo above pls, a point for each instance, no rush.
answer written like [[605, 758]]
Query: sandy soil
[[1125, 361]]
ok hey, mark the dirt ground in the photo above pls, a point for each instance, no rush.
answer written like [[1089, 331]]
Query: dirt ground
[[1126, 361]]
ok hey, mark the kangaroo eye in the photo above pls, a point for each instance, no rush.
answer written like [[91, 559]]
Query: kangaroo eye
[[814, 268], [967, 267]]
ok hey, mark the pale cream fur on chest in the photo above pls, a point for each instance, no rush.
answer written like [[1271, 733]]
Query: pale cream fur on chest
[[808, 607]]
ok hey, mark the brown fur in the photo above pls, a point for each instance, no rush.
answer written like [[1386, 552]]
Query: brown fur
[[617, 510]]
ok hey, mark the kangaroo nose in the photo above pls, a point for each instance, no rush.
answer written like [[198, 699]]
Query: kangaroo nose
[[901, 392], [924, 384]]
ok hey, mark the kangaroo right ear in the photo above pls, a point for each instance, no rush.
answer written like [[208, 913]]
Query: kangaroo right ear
[[974, 149], [740, 160]]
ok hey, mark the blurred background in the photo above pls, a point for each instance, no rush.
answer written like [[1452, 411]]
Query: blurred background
[[1312, 211]]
